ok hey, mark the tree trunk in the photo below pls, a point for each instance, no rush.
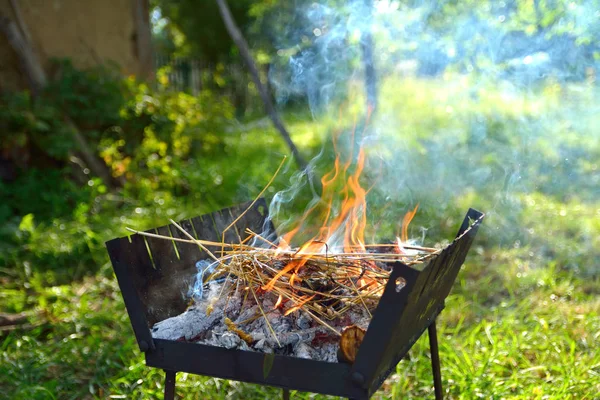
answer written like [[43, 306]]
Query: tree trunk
[[31, 66], [143, 38], [240, 42], [96, 166], [20, 21], [367, 50], [36, 77]]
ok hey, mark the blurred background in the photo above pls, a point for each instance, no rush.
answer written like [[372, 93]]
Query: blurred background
[[127, 113]]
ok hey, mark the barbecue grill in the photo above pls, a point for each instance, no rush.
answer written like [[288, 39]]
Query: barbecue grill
[[155, 275]]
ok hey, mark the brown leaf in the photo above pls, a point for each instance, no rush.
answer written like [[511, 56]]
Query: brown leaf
[[352, 337]]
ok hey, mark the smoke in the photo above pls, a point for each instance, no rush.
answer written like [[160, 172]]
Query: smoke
[[324, 51], [479, 104]]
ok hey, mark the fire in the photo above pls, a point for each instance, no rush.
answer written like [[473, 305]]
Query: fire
[[331, 273], [351, 217], [405, 222], [279, 300], [349, 223], [302, 302]]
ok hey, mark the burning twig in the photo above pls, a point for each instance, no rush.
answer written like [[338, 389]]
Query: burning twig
[[233, 328]]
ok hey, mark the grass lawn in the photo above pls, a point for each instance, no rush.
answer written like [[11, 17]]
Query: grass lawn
[[522, 321]]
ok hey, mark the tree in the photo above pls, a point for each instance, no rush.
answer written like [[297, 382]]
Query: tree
[[240, 42], [205, 34], [18, 38]]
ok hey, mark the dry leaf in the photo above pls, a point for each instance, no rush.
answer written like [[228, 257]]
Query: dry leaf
[[352, 337]]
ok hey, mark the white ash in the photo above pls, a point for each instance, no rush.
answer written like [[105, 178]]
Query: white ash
[[297, 334], [193, 322]]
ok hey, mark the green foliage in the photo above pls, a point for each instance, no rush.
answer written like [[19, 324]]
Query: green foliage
[[201, 24], [521, 320], [157, 141], [92, 97], [175, 153], [26, 122], [168, 129]]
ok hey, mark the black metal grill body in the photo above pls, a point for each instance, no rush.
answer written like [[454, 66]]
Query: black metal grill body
[[155, 275]]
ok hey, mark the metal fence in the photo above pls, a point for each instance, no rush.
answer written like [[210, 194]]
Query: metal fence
[[192, 75]]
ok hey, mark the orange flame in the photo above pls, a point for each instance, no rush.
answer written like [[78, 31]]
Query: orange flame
[[279, 300], [406, 221], [299, 305], [408, 217], [351, 217]]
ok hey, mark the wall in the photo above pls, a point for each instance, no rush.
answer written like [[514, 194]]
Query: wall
[[88, 32]]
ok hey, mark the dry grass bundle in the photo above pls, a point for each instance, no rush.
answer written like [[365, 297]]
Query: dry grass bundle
[[325, 286]]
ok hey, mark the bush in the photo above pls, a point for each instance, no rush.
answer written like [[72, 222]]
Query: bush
[[154, 141]]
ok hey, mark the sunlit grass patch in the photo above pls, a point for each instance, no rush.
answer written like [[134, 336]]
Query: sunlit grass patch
[[539, 345]]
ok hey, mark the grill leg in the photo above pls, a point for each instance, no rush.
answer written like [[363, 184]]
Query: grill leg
[[169, 385], [286, 394], [435, 361]]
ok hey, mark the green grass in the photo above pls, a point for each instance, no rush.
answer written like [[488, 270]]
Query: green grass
[[511, 329], [522, 321]]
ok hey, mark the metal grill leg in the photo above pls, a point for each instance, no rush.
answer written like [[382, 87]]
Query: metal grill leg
[[169, 385], [435, 361], [286, 394]]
